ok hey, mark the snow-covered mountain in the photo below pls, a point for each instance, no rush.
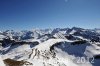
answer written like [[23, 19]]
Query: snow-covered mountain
[[50, 47]]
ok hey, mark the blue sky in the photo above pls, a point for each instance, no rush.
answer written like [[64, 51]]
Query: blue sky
[[28, 14]]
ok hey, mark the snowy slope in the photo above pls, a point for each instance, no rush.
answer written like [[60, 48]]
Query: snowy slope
[[1, 62], [51, 47]]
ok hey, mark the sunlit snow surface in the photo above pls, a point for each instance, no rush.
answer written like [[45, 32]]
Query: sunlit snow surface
[[54, 49]]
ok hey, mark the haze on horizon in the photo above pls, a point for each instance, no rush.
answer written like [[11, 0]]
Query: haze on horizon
[[28, 14]]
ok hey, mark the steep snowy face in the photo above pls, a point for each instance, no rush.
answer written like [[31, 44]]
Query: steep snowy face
[[80, 50], [46, 55], [60, 51]]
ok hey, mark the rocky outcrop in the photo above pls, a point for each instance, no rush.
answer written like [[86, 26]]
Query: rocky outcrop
[[11, 62]]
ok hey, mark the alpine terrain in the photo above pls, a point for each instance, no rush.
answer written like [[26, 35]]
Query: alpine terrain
[[50, 47]]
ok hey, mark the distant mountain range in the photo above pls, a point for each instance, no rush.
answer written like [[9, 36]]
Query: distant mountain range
[[51, 47]]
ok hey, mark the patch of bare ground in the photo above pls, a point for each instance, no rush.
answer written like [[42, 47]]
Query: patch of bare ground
[[11, 62]]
